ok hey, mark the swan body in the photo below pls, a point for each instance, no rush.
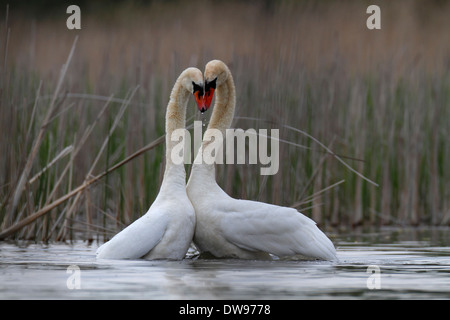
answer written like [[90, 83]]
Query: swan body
[[166, 230], [232, 228]]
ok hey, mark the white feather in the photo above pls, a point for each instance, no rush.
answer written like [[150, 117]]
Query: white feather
[[228, 227], [137, 239], [164, 232], [277, 230]]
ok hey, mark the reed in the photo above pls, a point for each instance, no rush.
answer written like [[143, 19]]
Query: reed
[[82, 121]]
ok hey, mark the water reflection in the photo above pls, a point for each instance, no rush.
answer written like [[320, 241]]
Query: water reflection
[[413, 263]]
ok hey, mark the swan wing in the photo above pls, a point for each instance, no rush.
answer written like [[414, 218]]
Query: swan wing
[[137, 239], [283, 231]]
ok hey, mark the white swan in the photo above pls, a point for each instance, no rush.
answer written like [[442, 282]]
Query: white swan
[[232, 228], [166, 230]]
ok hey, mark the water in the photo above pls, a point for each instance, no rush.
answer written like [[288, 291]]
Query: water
[[412, 264]]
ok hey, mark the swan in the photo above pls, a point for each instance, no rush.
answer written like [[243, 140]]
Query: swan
[[166, 230], [243, 229]]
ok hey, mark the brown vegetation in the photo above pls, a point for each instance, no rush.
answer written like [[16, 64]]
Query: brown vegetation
[[381, 96]]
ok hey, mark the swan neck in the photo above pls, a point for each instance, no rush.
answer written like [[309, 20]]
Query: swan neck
[[221, 120], [175, 120], [224, 106], [223, 112]]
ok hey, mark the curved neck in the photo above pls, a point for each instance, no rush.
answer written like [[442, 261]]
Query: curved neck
[[221, 120], [223, 112], [175, 119]]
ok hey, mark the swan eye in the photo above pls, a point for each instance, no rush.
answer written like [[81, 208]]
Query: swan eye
[[197, 88]]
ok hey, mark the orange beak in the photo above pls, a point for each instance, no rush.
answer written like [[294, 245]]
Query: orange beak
[[210, 87], [200, 99], [208, 97]]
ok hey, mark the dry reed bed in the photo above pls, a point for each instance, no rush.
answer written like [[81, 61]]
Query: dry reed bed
[[381, 96]]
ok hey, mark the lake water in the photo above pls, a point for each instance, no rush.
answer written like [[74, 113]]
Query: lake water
[[385, 264]]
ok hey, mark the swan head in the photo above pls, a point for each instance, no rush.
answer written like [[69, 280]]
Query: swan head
[[216, 73], [192, 81]]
